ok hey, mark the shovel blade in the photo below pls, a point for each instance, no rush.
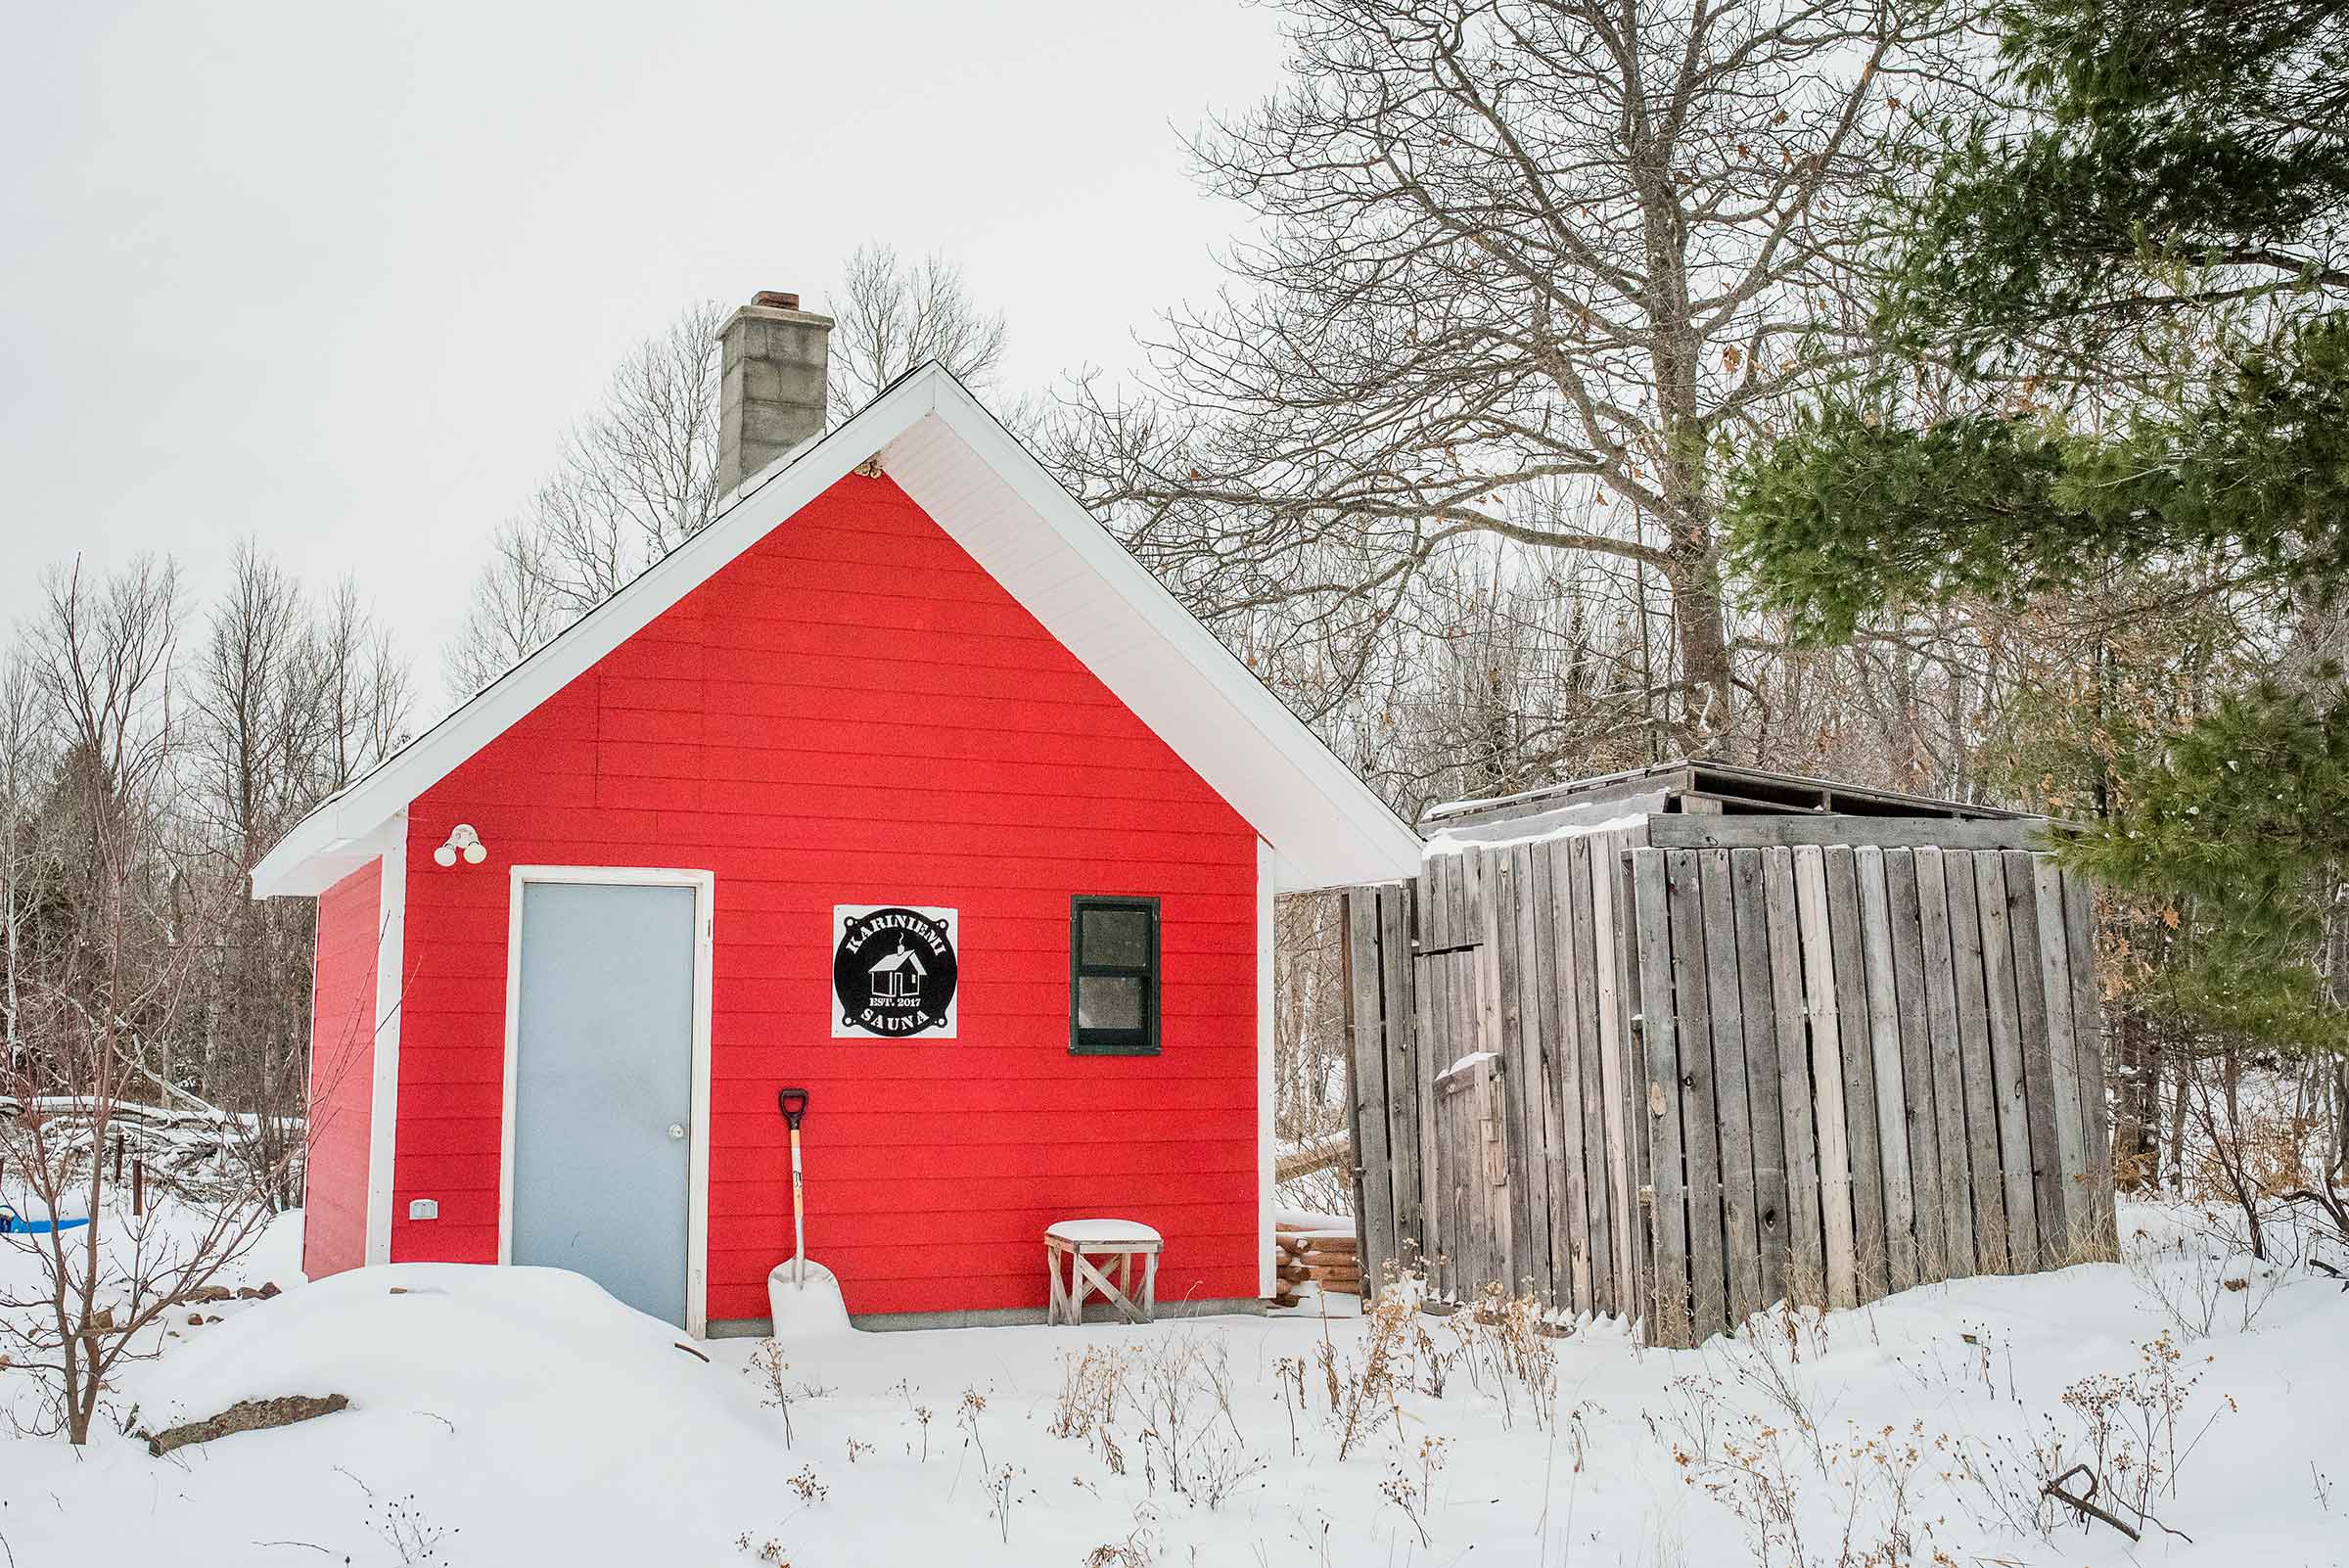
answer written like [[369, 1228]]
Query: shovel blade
[[805, 1301]]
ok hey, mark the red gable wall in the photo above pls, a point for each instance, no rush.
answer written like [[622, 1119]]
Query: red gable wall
[[333, 1219], [854, 713]]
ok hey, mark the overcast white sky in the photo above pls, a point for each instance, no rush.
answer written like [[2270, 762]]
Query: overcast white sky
[[336, 276]]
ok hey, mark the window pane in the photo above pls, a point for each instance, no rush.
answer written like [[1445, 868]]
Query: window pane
[[1108, 1001], [1117, 938]]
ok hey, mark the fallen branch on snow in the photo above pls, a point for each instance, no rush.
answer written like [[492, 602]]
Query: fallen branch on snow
[[246, 1415], [2086, 1509]]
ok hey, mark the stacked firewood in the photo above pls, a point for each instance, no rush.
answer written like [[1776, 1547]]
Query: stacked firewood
[[1301, 1255]]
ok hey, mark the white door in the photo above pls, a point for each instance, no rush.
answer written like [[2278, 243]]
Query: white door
[[602, 1087]]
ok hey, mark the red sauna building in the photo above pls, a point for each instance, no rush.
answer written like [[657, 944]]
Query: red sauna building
[[901, 781]]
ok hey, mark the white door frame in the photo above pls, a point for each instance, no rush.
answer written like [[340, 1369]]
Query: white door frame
[[697, 1179]]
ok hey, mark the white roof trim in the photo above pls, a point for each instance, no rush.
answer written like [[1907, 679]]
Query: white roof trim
[[937, 441]]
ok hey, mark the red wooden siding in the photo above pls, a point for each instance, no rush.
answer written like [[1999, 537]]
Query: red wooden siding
[[334, 1223], [854, 713]]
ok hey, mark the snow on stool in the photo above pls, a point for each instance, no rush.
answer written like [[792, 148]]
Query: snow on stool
[[1080, 1242]]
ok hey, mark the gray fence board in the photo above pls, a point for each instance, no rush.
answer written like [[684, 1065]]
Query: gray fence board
[[1577, 1055], [2031, 1037], [2006, 1065], [1700, 1116], [1858, 1045], [1917, 1087], [1940, 980], [1884, 1058], [1763, 1081], [1806, 1245], [1529, 1257], [2075, 1233], [1732, 1108], [1992, 1234], [1660, 1050], [1613, 975], [1823, 1001]]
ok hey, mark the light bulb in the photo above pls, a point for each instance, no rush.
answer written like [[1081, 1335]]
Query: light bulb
[[444, 855], [475, 855]]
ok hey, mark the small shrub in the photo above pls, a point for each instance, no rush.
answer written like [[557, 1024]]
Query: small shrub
[[768, 1366], [400, 1525]]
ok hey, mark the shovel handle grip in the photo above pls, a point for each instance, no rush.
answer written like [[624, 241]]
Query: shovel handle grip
[[793, 1103]]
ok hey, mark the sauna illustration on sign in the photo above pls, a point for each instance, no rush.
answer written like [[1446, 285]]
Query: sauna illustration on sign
[[893, 972], [897, 978]]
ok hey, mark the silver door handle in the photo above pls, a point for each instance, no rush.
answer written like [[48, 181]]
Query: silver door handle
[[676, 1130]]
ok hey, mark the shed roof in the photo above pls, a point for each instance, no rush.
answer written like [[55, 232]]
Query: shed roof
[[1686, 786], [991, 495]]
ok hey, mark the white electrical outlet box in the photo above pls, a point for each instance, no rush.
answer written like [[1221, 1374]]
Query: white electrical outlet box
[[424, 1208]]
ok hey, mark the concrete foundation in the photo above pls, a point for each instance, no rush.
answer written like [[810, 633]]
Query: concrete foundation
[[1003, 1317]]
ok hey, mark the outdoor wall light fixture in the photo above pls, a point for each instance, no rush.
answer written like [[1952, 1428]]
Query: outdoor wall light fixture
[[462, 840]]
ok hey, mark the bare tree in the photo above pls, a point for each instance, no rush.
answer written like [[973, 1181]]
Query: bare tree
[[1522, 268], [638, 476], [891, 316], [26, 763], [290, 702], [515, 609], [105, 991], [635, 479]]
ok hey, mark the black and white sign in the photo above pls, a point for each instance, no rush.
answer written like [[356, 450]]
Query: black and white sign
[[893, 972]]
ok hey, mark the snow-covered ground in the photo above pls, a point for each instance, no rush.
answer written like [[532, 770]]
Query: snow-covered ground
[[521, 1417]]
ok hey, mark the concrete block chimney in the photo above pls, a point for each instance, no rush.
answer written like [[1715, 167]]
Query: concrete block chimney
[[772, 362]]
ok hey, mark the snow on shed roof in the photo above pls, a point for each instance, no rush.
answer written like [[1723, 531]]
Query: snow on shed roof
[[1668, 786], [991, 495]]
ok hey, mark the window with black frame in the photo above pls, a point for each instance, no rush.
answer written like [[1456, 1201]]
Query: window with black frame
[[1113, 977]]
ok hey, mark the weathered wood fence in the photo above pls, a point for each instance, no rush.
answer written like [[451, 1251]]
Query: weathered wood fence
[[1681, 1083]]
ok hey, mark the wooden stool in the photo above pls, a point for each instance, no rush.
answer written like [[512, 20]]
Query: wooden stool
[[1083, 1240]]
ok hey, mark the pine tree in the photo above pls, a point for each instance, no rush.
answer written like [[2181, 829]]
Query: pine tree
[[2140, 280]]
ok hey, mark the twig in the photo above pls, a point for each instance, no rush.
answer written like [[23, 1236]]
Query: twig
[[2054, 1489]]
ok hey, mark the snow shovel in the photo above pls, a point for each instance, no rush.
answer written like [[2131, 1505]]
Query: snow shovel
[[803, 1297]]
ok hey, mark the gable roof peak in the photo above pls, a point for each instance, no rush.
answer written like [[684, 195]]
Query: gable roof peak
[[995, 498]]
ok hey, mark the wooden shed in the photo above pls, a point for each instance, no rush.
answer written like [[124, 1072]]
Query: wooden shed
[[1679, 1042]]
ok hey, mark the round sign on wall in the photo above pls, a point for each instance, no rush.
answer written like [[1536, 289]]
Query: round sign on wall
[[893, 972]]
